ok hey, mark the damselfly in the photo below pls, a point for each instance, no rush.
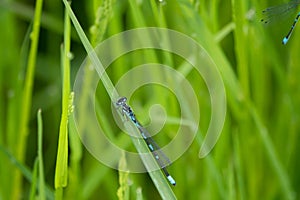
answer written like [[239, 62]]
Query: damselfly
[[279, 12], [159, 156]]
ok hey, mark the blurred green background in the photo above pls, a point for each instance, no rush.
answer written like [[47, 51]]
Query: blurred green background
[[256, 155]]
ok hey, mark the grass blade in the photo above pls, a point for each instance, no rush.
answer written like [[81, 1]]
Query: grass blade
[[34, 180], [27, 95], [157, 176], [40, 157], [61, 170]]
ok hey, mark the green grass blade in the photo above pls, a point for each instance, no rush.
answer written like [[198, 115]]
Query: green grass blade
[[10, 87], [74, 189], [123, 191], [61, 170], [157, 176], [239, 168], [27, 95], [34, 180], [42, 195]]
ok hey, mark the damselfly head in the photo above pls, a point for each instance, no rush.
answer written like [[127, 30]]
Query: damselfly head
[[121, 101]]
